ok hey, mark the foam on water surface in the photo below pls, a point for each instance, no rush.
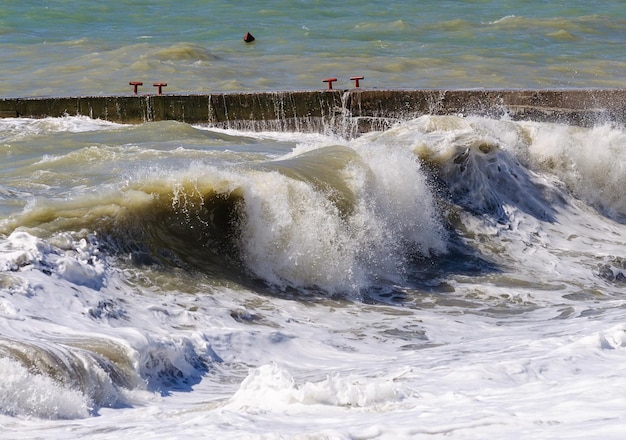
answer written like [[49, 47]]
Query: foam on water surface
[[458, 277], [489, 300]]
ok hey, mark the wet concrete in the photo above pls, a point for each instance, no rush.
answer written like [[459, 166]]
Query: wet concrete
[[347, 112]]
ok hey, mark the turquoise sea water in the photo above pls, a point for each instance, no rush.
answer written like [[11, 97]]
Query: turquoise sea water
[[450, 277], [69, 48]]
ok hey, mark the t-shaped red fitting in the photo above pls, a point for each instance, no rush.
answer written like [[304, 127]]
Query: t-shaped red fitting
[[330, 82], [160, 86], [135, 84], [356, 80]]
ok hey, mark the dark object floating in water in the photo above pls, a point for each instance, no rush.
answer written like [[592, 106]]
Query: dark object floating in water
[[248, 38]]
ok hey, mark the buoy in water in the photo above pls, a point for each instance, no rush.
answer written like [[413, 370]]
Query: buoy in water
[[248, 38]]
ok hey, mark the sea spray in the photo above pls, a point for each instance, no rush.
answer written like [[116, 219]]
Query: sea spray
[[292, 231], [122, 270]]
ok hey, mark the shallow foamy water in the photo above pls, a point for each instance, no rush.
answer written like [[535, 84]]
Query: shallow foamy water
[[450, 276]]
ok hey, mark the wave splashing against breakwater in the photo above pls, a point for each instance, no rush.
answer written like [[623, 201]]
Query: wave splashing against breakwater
[[187, 271]]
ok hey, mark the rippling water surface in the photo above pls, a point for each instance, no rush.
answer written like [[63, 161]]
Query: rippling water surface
[[68, 48], [457, 277]]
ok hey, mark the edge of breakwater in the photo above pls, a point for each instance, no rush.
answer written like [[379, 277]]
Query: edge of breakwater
[[347, 112]]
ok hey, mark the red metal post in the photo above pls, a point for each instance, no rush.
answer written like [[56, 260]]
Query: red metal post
[[356, 79], [330, 82], [135, 84], [160, 86]]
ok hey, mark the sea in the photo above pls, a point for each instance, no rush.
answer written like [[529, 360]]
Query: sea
[[454, 277]]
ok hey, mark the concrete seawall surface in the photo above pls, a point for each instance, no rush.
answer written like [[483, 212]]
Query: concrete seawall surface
[[347, 112]]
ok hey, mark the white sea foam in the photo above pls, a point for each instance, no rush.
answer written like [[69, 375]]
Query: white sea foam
[[531, 344], [25, 394], [14, 129], [292, 233], [270, 387], [503, 19], [59, 294], [596, 175], [76, 262]]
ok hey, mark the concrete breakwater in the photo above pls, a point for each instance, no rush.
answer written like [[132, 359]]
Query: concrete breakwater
[[347, 112]]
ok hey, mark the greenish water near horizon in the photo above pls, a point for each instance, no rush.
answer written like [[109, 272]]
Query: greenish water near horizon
[[68, 48]]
